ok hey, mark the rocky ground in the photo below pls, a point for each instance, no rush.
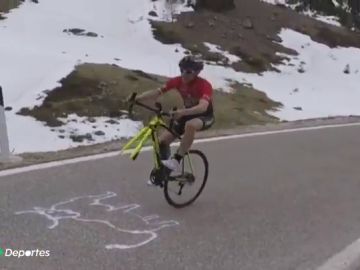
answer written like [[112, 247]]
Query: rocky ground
[[249, 31]]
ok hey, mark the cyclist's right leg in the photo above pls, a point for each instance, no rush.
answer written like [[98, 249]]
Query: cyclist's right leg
[[165, 139]]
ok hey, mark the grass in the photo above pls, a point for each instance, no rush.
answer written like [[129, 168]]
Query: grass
[[165, 35], [244, 106]]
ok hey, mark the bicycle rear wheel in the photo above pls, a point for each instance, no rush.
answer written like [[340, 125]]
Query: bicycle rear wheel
[[184, 189]]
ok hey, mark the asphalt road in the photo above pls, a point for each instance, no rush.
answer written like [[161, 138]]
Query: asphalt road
[[282, 201]]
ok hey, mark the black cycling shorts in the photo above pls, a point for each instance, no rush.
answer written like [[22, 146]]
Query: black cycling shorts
[[207, 119]]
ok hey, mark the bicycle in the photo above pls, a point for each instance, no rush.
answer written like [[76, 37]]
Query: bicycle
[[161, 175]]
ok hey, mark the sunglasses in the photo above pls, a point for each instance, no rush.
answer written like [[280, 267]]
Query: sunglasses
[[187, 71]]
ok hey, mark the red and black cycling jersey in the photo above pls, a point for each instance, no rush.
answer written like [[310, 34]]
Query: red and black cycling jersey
[[192, 92]]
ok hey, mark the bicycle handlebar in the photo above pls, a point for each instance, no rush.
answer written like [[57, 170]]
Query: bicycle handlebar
[[158, 111]]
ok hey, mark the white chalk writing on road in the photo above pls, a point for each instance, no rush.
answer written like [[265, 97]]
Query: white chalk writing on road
[[152, 223]]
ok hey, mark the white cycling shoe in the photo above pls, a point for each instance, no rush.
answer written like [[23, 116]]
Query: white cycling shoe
[[172, 164]]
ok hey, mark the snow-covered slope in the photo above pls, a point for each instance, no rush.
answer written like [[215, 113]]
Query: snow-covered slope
[[35, 54]]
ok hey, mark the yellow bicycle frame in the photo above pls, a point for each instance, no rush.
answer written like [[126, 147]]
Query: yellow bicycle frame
[[136, 143]]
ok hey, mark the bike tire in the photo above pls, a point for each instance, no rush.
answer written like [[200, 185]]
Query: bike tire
[[167, 192]]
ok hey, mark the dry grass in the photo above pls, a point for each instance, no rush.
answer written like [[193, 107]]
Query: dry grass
[[100, 90]]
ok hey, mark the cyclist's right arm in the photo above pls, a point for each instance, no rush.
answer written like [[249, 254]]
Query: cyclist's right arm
[[154, 94], [149, 95]]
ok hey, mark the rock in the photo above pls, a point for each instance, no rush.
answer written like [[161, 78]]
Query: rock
[[176, 50], [102, 85], [111, 121], [61, 136], [211, 24], [347, 69], [8, 108], [92, 120], [76, 138], [75, 31], [117, 59], [99, 133], [80, 32], [91, 34], [275, 38], [298, 108], [301, 70], [81, 138], [24, 111], [35, 1], [190, 25], [153, 13], [248, 24]]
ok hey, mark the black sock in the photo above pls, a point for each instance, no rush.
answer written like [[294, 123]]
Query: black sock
[[165, 151], [178, 157]]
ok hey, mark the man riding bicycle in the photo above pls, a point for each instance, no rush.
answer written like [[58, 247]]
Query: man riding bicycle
[[197, 115]]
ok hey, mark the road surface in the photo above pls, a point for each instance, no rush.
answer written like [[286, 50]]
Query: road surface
[[283, 201]]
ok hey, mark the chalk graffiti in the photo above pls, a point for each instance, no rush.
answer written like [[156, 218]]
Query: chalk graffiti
[[61, 211]]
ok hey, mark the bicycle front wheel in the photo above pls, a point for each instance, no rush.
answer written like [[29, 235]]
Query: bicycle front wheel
[[183, 189]]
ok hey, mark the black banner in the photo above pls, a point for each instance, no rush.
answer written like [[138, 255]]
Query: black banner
[[1, 97]]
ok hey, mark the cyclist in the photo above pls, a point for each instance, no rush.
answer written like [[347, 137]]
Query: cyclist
[[196, 115]]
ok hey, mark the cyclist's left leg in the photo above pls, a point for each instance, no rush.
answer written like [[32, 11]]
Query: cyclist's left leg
[[189, 129], [188, 126]]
